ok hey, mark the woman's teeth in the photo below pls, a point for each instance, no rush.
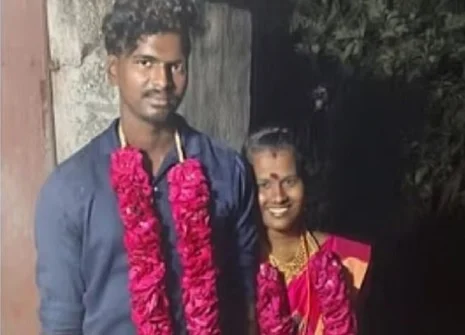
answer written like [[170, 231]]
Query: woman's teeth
[[278, 212]]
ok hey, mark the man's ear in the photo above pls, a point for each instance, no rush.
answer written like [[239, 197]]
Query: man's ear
[[112, 69]]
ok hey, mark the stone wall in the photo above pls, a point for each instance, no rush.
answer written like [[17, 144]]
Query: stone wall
[[217, 100]]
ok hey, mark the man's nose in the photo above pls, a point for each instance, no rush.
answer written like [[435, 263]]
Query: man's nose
[[160, 76]]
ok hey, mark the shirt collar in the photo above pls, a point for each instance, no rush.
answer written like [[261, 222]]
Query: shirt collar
[[191, 139]]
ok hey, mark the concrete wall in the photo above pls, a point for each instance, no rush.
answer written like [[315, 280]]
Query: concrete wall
[[218, 97]]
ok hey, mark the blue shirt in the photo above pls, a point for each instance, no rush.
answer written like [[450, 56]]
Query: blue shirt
[[82, 268]]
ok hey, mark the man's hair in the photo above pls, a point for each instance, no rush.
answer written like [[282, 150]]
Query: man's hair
[[130, 19]]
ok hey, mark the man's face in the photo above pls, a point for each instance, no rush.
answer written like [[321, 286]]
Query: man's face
[[152, 79]]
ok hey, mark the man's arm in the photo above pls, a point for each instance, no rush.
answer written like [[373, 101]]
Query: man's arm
[[58, 245], [247, 235]]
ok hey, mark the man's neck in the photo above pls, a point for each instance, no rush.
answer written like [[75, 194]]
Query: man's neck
[[155, 140]]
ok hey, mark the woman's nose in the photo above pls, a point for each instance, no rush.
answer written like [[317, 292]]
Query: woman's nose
[[279, 194]]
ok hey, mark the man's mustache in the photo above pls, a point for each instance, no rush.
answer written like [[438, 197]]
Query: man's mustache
[[166, 94], [152, 93]]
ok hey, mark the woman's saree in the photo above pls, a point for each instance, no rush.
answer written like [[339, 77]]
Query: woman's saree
[[304, 305]]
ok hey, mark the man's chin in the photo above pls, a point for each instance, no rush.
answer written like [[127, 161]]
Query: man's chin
[[159, 115]]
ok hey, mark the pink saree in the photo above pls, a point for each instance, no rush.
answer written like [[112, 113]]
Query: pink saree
[[304, 306]]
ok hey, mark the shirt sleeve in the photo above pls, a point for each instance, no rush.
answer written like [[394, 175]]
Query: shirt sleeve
[[58, 246], [247, 226]]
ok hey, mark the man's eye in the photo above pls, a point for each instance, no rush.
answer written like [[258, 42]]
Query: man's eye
[[144, 63], [178, 67]]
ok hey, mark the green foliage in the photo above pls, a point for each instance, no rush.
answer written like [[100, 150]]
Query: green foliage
[[407, 40]]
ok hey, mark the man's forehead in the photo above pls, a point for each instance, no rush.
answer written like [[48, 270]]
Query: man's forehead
[[161, 44]]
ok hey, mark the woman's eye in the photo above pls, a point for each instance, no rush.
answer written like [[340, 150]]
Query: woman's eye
[[290, 182], [264, 185]]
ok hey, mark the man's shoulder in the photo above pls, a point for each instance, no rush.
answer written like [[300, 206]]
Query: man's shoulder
[[78, 169], [231, 171], [220, 150]]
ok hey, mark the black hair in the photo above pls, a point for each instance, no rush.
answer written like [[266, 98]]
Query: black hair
[[315, 183], [128, 20], [275, 138]]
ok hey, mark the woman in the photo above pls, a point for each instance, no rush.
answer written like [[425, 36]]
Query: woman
[[322, 273]]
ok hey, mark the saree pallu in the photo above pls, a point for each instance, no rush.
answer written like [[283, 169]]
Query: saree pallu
[[355, 257]]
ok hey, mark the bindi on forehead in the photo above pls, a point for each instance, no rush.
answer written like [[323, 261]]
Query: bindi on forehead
[[274, 176]]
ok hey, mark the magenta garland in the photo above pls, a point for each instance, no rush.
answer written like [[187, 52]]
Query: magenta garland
[[189, 196]]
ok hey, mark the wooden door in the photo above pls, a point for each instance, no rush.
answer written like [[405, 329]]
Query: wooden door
[[27, 155]]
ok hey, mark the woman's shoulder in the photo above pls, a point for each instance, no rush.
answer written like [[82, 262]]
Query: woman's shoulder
[[320, 237], [353, 248], [343, 245], [355, 255]]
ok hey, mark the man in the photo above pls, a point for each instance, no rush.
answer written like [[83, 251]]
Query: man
[[87, 271]]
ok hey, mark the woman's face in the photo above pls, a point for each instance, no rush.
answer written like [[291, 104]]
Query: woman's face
[[280, 188]]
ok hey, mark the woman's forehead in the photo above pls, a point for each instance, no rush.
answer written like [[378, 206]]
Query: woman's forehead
[[274, 163]]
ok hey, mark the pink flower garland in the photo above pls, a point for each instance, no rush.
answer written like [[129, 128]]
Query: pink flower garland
[[150, 311], [274, 315], [327, 278], [327, 275], [189, 196]]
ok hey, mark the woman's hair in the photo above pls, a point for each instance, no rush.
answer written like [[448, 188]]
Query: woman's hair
[[275, 138], [130, 19], [315, 187]]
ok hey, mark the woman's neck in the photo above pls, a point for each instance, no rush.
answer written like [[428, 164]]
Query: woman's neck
[[284, 245]]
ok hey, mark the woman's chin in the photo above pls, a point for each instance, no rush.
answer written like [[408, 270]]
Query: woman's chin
[[284, 228]]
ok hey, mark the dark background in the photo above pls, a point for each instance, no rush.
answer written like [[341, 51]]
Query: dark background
[[416, 284]]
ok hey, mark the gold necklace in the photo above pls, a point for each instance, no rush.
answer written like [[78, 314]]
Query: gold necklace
[[308, 246], [290, 269]]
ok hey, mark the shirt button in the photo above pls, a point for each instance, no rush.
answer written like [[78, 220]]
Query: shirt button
[[156, 192]]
